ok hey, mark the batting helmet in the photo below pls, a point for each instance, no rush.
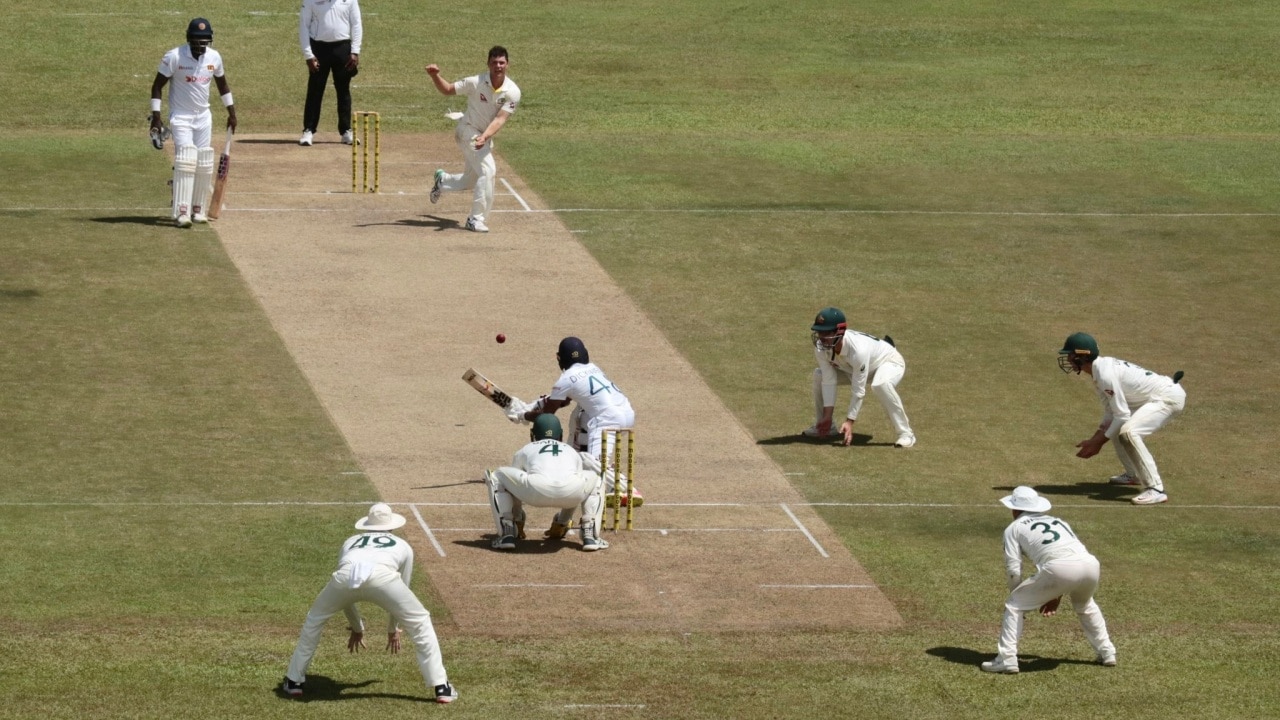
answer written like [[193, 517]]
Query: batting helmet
[[546, 427], [571, 352], [1076, 351], [199, 28]]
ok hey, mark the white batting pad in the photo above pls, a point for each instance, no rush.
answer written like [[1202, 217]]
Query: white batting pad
[[184, 178], [203, 185]]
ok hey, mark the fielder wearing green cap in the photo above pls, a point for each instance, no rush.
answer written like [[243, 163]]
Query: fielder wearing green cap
[[551, 474], [862, 361], [1063, 567], [1136, 402]]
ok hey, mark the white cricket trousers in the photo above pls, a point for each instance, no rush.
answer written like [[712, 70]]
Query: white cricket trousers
[[1130, 447], [1077, 579], [479, 176], [386, 590], [883, 383]]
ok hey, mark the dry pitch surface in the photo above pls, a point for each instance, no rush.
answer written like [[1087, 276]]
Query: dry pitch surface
[[384, 300]]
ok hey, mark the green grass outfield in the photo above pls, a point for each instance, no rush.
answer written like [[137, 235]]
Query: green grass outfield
[[976, 179]]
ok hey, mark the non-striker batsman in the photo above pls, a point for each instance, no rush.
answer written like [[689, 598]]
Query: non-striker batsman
[[191, 68]]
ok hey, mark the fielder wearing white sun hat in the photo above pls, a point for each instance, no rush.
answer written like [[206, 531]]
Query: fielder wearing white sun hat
[[1026, 499], [380, 518]]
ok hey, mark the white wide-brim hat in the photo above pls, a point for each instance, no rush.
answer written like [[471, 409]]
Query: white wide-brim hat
[[380, 517], [1026, 500]]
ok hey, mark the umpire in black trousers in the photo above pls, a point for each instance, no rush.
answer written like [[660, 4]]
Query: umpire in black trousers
[[330, 33]]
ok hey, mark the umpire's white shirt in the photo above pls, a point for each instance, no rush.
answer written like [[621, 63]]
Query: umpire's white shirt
[[330, 21]]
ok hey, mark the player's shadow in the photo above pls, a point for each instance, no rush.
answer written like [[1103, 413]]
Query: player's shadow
[[319, 688], [799, 439], [430, 222], [478, 481], [1026, 663], [24, 294], [1103, 492], [152, 220], [530, 546]]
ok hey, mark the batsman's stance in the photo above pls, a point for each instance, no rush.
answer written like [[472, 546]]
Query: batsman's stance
[[547, 473], [191, 67]]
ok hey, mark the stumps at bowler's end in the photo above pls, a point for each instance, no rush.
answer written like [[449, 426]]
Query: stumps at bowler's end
[[359, 118]]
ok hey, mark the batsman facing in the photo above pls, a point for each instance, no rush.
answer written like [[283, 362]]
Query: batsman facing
[[192, 67]]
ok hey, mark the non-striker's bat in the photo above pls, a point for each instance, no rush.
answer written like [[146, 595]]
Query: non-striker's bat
[[220, 185]]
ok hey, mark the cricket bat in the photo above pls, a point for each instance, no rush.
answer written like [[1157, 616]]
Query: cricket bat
[[220, 185], [486, 388]]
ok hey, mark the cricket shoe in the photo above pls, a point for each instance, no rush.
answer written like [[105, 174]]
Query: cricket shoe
[[199, 217], [1123, 479], [1150, 496], [184, 221], [812, 431], [437, 187], [905, 441], [306, 138], [349, 138], [635, 499], [475, 225], [1107, 660], [997, 666], [504, 542], [291, 688], [446, 693], [591, 540]]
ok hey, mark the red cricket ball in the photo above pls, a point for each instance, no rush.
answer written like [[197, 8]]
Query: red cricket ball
[[501, 338]]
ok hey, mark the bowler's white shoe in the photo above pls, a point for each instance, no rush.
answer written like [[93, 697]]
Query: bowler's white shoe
[[1108, 660], [1123, 479], [905, 441], [1150, 496], [996, 666], [307, 135], [475, 225]]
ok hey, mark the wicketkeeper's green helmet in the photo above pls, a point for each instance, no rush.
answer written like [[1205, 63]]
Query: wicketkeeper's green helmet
[[546, 427], [828, 327], [1077, 350]]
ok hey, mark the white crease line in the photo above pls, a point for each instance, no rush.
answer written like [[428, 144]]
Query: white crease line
[[823, 587], [523, 204], [430, 536], [804, 530], [618, 706], [529, 585], [722, 211], [648, 503]]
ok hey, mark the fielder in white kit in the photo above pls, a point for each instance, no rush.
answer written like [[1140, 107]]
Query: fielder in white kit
[[491, 98], [552, 474], [373, 566], [1063, 567], [1136, 402], [862, 360], [191, 67]]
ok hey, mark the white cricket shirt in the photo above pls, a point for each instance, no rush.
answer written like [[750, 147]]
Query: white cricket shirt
[[551, 458], [586, 384], [860, 356], [1043, 538], [1122, 385], [189, 79], [374, 554], [484, 102]]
